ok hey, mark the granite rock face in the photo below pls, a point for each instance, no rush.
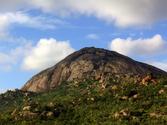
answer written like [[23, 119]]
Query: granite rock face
[[89, 63]]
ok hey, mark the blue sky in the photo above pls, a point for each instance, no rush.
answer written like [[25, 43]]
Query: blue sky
[[36, 34]]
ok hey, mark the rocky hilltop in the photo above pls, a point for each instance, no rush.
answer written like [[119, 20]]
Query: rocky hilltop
[[90, 63]]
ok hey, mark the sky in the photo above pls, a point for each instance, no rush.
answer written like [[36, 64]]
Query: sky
[[36, 34]]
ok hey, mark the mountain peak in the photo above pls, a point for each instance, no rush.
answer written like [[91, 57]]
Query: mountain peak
[[90, 63]]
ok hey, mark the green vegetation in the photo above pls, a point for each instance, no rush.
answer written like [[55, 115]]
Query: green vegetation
[[87, 103]]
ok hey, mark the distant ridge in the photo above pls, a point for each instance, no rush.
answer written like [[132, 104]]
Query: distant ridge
[[89, 63]]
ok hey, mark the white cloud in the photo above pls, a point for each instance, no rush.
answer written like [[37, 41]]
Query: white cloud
[[46, 53], [39, 22], [121, 12], [148, 49], [4, 58], [92, 36], [150, 46], [11, 5], [2, 91], [14, 56]]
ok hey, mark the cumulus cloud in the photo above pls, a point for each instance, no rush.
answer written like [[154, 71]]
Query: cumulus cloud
[[4, 58], [14, 56], [39, 22], [121, 12], [2, 90], [149, 46], [11, 5], [46, 53]]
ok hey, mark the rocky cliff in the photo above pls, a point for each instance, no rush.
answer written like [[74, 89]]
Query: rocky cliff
[[90, 63]]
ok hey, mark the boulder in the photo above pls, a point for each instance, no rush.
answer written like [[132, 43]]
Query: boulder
[[50, 115], [27, 108]]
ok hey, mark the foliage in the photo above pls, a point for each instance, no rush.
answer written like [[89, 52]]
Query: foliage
[[86, 103]]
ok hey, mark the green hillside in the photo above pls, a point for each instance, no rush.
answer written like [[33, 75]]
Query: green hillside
[[87, 103]]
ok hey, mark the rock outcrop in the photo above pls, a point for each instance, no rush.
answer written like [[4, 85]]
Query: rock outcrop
[[89, 63]]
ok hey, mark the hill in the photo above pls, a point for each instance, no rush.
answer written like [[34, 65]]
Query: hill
[[90, 87], [91, 63]]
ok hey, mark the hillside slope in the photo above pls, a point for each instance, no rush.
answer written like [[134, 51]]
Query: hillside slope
[[90, 87], [87, 103], [90, 63]]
